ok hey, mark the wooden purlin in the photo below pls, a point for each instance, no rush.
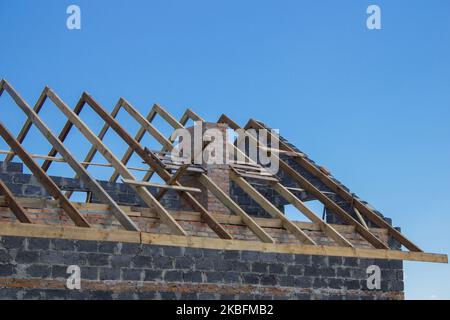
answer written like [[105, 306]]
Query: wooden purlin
[[93, 184], [13, 204], [292, 199], [340, 191]]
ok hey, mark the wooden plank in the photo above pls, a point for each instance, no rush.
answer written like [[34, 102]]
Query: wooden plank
[[12, 203], [255, 176], [326, 228], [270, 208], [344, 194], [295, 189], [74, 233], [172, 180], [159, 185], [235, 208], [218, 244], [43, 178], [143, 193], [68, 232]]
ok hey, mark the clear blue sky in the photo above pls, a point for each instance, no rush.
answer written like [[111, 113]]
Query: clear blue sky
[[372, 106]]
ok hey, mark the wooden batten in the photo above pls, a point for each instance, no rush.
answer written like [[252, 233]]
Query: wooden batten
[[76, 233]]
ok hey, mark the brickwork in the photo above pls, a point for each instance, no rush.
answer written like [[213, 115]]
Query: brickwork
[[33, 268], [26, 185]]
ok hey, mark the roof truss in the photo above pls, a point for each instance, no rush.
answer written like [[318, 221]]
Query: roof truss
[[243, 174]]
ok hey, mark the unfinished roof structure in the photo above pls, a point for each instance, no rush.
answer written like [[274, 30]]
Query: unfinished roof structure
[[236, 207]]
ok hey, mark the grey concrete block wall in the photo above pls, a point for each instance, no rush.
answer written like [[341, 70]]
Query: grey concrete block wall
[[115, 270], [156, 272]]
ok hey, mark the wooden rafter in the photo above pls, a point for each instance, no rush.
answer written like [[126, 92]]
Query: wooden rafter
[[140, 134], [95, 187], [157, 109], [339, 190], [13, 204], [119, 166], [218, 193], [235, 208], [292, 199], [161, 171], [143, 193]]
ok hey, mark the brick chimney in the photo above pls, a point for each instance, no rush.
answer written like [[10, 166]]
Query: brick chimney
[[217, 172]]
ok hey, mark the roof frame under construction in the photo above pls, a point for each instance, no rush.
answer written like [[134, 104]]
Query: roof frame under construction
[[242, 174]]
